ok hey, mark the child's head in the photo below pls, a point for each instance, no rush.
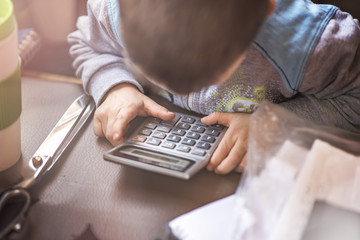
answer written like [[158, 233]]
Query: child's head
[[186, 45]]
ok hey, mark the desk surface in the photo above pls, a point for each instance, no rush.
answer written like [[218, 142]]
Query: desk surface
[[86, 197]]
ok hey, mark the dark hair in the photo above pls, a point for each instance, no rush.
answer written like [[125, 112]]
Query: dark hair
[[185, 45]]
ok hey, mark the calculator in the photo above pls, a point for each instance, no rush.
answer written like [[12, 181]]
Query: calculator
[[179, 147]]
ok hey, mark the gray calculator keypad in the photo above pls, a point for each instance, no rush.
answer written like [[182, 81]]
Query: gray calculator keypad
[[184, 133]]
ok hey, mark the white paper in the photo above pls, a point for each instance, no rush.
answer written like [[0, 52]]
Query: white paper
[[212, 221]]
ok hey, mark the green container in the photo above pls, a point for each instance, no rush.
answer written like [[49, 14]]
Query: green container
[[10, 86], [7, 18], [10, 98]]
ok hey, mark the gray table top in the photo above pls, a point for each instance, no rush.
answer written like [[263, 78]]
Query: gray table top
[[86, 197]]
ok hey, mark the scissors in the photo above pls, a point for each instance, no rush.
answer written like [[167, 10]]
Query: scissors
[[15, 200]]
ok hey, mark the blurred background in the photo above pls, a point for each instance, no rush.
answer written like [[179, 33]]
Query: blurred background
[[350, 6], [53, 20]]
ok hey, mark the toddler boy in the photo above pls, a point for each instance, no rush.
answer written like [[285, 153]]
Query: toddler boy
[[221, 59]]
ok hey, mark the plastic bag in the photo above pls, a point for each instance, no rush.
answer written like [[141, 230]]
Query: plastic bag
[[279, 142], [272, 125]]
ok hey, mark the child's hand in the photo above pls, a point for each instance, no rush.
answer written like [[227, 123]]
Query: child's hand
[[122, 104], [231, 152]]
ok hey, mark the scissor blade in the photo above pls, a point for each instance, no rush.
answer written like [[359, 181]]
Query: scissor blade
[[88, 107], [56, 137], [57, 140]]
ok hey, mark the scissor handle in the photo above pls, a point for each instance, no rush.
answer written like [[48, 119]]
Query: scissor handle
[[14, 223]]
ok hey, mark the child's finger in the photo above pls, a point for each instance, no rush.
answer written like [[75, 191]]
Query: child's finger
[[217, 117], [117, 124], [241, 167], [117, 141], [98, 127], [233, 159], [156, 110], [222, 151], [100, 122]]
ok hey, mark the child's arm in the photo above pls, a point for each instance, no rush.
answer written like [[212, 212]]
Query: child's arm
[[330, 92], [99, 61], [98, 56]]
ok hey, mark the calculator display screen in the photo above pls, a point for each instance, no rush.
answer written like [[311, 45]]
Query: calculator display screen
[[159, 159]]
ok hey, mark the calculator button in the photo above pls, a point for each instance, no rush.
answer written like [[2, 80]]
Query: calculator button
[[188, 119], [183, 125], [164, 128], [198, 129], [203, 145], [153, 141], [179, 132], [207, 138], [189, 142], [150, 125], [146, 132], [218, 126], [139, 138], [159, 135], [173, 138], [154, 120], [167, 144], [198, 152], [213, 132], [171, 122], [193, 135], [183, 148], [199, 123]]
